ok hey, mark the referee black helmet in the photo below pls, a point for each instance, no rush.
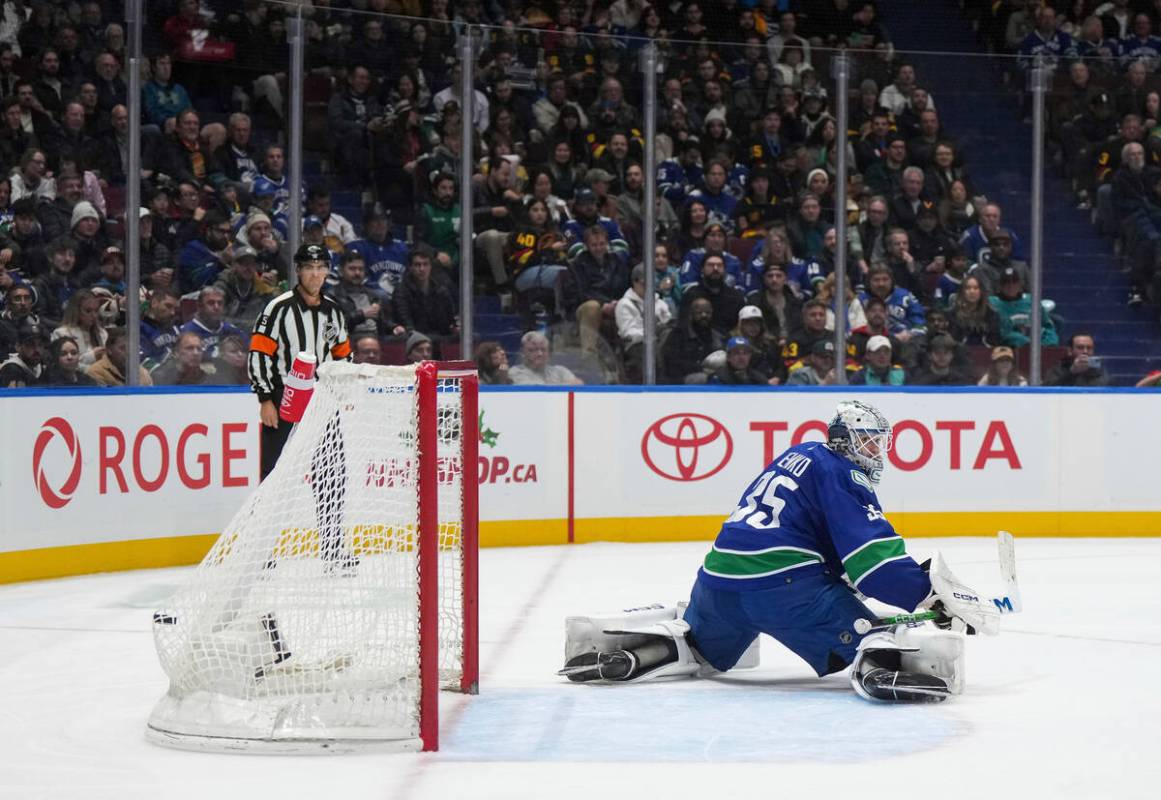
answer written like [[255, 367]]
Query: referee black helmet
[[311, 252]]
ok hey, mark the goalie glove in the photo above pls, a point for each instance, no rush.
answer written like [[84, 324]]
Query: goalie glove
[[960, 607]]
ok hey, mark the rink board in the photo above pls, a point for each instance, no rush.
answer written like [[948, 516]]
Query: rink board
[[121, 479]]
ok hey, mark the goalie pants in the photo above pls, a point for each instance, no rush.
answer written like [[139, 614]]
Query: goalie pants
[[813, 616]]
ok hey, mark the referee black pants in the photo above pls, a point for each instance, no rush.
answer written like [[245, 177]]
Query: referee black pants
[[328, 466]]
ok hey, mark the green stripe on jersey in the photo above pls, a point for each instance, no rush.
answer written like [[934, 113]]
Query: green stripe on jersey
[[871, 555], [734, 564]]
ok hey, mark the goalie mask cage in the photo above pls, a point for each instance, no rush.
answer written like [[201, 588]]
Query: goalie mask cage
[[343, 595]]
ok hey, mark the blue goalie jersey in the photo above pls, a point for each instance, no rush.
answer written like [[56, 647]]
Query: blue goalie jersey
[[813, 511]]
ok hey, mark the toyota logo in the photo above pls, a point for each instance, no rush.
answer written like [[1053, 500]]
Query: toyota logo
[[686, 447], [56, 498]]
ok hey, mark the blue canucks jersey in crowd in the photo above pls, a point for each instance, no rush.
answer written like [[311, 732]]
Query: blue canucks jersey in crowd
[[385, 264], [798, 273], [813, 512], [675, 181], [691, 269]]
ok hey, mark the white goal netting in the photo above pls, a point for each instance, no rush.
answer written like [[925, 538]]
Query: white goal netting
[[302, 624]]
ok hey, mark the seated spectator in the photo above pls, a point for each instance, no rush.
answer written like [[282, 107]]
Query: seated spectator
[[185, 157], [690, 343], [367, 349], [807, 229], [980, 235], [537, 253], [906, 271], [91, 240], [318, 203], [246, 290], [209, 322], [81, 323], [896, 95], [72, 142], [878, 369], [384, 257], [725, 300], [951, 272], [596, 279], [17, 315], [159, 330], [995, 259], [630, 318], [186, 367], [534, 367], [759, 208], [257, 233], [631, 205], [585, 216], [1014, 307], [363, 305], [714, 194], [424, 301], [801, 341], [737, 370], [231, 367], [30, 179], [202, 260], [24, 239], [109, 369], [237, 160], [492, 364], [781, 309], [906, 317], [677, 176], [418, 348], [714, 244], [939, 369], [885, 176], [163, 99], [876, 324], [817, 368], [907, 202], [1002, 371], [973, 320], [25, 366], [495, 205], [55, 286], [767, 349], [1081, 367], [56, 216], [64, 365]]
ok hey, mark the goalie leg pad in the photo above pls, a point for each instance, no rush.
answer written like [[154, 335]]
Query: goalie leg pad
[[663, 652], [909, 664]]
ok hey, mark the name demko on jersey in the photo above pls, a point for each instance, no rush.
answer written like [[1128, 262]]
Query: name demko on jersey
[[810, 511]]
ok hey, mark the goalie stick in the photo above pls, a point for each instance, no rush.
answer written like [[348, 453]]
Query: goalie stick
[[1009, 603]]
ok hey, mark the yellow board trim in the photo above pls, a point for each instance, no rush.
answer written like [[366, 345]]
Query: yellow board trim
[[85, 559]]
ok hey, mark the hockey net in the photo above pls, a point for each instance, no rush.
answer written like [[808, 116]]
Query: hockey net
[[314, 622]]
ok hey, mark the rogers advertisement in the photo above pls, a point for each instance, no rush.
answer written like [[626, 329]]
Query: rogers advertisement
[[86, 468]]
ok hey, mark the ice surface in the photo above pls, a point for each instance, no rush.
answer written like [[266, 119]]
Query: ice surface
[[1064, 703]]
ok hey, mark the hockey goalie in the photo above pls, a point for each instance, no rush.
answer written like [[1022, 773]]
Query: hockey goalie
[[805, 541]]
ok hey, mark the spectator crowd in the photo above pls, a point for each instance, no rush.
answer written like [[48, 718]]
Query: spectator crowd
[[936, 289]]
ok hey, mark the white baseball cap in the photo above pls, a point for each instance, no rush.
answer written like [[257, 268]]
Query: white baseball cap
[[749, 312], [878, 343]]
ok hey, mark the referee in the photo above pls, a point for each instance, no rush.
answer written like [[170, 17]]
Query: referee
[[303, 319]]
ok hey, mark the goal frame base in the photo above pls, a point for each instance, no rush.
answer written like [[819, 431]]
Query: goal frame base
[[276, 747]]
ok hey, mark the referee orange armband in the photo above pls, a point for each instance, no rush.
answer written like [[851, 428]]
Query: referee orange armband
[[261, 343]]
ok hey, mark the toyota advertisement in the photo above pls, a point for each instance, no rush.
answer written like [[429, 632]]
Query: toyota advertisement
[[603, 464]]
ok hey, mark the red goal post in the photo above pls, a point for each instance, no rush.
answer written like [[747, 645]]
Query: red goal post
[[432, 376]]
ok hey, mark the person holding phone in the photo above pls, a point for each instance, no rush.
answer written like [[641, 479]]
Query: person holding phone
[[1081, 367]]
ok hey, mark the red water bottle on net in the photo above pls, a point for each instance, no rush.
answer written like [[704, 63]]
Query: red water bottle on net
[[298, 387]]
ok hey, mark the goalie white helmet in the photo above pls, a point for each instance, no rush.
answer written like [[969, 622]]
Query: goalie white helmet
[[863, 435]]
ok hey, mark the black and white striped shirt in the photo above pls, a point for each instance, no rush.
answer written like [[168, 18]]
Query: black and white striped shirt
[[287, 327]]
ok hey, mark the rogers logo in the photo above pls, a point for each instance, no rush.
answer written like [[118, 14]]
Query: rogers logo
[[686, 447], [52, 428]]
